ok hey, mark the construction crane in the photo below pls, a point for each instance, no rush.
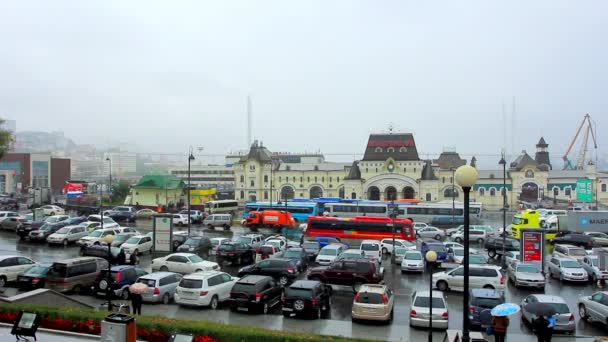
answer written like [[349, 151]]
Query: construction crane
[[582, 153]]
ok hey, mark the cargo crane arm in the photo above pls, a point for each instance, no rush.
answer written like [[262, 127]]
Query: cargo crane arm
[[583, 151]]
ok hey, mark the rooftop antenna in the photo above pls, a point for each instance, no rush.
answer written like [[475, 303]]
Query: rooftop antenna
[[391, 127], [504, 127], [249, 110], [513, 128]]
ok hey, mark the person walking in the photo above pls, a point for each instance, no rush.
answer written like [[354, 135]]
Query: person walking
[[133, 259], [136, 300], [499, 325], [540, 326], [121, 258]]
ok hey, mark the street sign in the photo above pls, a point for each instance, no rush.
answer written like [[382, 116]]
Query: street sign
[[584, 190], [162, 229]]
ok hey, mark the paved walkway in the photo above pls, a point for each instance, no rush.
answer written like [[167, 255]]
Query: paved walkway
[[42, 336]]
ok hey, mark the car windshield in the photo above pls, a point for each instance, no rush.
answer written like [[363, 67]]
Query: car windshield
[[413, 256], [527, 269], [46, 227], [292, 254], [424, 302], [215, 242], [486, 302], [96, 233], [570, 264], [594, 261], [244, 239], [298, 292], [195, 259], [327, 251], [108, 220], [518, 220], [192, 242], [561, 308], [191, 283], [41, 270], [407, 243], [370, 247], [310, 245], [63, 230], [577, 252], [133, 241], [436, 247]]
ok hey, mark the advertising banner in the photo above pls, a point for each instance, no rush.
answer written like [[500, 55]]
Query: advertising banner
[[532, 246], [584, 190], [162, 228]]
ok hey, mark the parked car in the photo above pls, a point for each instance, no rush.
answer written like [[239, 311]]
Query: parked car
[[218, 220], [107, 222], [449, 244], [207, 288], [279, 245], [511, 256], [478, 236], [349, 273], [477, 259], [255, 293], [67, 235], [13, 265], [350, 254], [387, 245], [525, 275], [494, 245], [307, 298], [430, 233], [599, 238], [574, 252], [481, 300], [215, 242], [564, 318], [25, 230], [419, 311], [161, 286], [418, 225], [200, 245], [437, 247], [284, 271], [372, 250], [446, 221], [399, 253], [297, 254], [96, 237], [591, 265], [567, 269], [487, 277], [122, 277], [412, 262], [195, 215], [138, 244], [235, 252], [373, 302], [594, 308], [100, 251], [123, 214], [34, 278], [12, 223], [267, 251], [312, 249], [253, 240], [327, 240], [329, 253], [455, 255], [575, 239], [73, 275], [50, 210], [145, 213], [44, 232], [183, 263], [120, 239], [180, 220]]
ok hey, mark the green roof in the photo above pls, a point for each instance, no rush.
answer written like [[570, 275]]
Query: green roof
[[160, 182]]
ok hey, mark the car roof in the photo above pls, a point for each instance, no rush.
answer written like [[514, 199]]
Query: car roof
[[11, 256], [304, 284], [332, 246], [432, 242], [567, 245], [486, 293], [157, 275], [202, 274], [543, 298], [252, 279], [181, 254], [564, 258], [121, 268], [373, 288], [370, 241], [425, 293], [410, 251], [352, 250]]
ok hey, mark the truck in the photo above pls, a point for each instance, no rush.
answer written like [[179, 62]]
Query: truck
[[530, 218], [585, 221], [269, 218]]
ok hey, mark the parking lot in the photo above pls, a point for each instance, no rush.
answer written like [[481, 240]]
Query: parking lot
[[339, 321]]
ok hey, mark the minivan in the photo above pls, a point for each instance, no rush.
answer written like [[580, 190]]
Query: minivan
[[74, 274], [486, 277], [161, 286], [218, 220], [67, 234], [372, 250]]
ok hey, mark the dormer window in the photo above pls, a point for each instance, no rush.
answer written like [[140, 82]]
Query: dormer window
[[378, 150], [390, 150], [403, 149], [529, 174]]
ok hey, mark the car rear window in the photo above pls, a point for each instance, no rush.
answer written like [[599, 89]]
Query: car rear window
[[369, 298], [149, 282], [370, 247], [439, 248], [266, 249], [486, 302], [424, 302], [224, 247], [243, 287], [561, 308], [191, 283], [299, 292]]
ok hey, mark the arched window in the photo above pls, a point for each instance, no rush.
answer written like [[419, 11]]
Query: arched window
[[603, 187], [482, 192], [265, 178], [378, 149], [287, 192], [402, 149], [556, 191], [568, 191], [492, 192], [447, 193], [529, 174], [390, 149], [353, 195], [242, 194]]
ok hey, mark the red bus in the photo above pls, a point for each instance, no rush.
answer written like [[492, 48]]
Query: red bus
[[360, 228]]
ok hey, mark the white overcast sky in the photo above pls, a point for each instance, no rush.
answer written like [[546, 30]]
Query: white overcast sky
[[164, 75]]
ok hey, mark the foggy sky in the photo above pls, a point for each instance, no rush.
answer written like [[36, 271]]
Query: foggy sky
[[164, 75]]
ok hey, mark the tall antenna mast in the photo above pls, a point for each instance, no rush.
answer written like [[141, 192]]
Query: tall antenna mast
[[513, 129], [249, 109]]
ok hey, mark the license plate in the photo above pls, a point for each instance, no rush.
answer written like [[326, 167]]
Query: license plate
[[411, 265], [240, 308], [288, 309], [21, 279]]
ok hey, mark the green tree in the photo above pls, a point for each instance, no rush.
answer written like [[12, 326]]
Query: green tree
[[6, 138], [120, 190]]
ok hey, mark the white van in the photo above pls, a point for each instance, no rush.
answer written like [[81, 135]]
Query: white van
[[372, 249]]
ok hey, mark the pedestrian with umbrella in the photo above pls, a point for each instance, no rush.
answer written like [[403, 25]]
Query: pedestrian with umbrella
[[541, 324], [500, 321], [137, 290]]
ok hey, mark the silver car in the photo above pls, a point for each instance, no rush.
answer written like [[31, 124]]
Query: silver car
[[525, 275], [412, 261], [567, 269], [564, 319], [419, 313], [430, 233], [594, 308], [591, 264], [161, 286]]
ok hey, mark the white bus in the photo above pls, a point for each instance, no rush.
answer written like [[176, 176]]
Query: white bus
[[362, 208], [222, 207]]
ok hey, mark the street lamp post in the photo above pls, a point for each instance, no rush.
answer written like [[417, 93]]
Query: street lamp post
[[466, 176], [503, 162], [110, 190], [453, 206], [271, 167], [393, 214], [108, 240], [190, 159], [430, 257]]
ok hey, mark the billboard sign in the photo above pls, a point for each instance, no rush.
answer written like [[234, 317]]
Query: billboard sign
[[587, 221], [532, 245], [584, 190], [162, 229]]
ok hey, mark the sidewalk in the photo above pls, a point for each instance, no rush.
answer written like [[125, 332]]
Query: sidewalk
[[43, 335]]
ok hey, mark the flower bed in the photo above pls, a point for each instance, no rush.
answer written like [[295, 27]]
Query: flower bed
[[154, 328]]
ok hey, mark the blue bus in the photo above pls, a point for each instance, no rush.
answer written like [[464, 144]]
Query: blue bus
[[299, 210]]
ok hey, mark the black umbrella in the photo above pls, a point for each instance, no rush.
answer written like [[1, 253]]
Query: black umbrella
[[540, 309]]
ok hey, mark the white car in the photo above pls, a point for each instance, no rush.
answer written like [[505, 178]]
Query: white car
[[207, 288], [511, 256], [372, 250], [51, 210], [329, 253], [567, 269], [387, 245], [107, 221], [450, 244], [418, 225], [183, 263], [180, 220], [138, 244], [412, 262], [96, 237], [67, 235], [279, 245], [456, 254], [419, 312], [487, 277], [13, 265], [215, 242]]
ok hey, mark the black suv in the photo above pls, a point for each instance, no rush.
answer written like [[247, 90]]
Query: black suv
[[481, 300], [283, 270], [200, 245], [235, 253], [122, 277], [576, 239], [353, 273], [255, 293], [494, 245], [299, 255], [307, 298]]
